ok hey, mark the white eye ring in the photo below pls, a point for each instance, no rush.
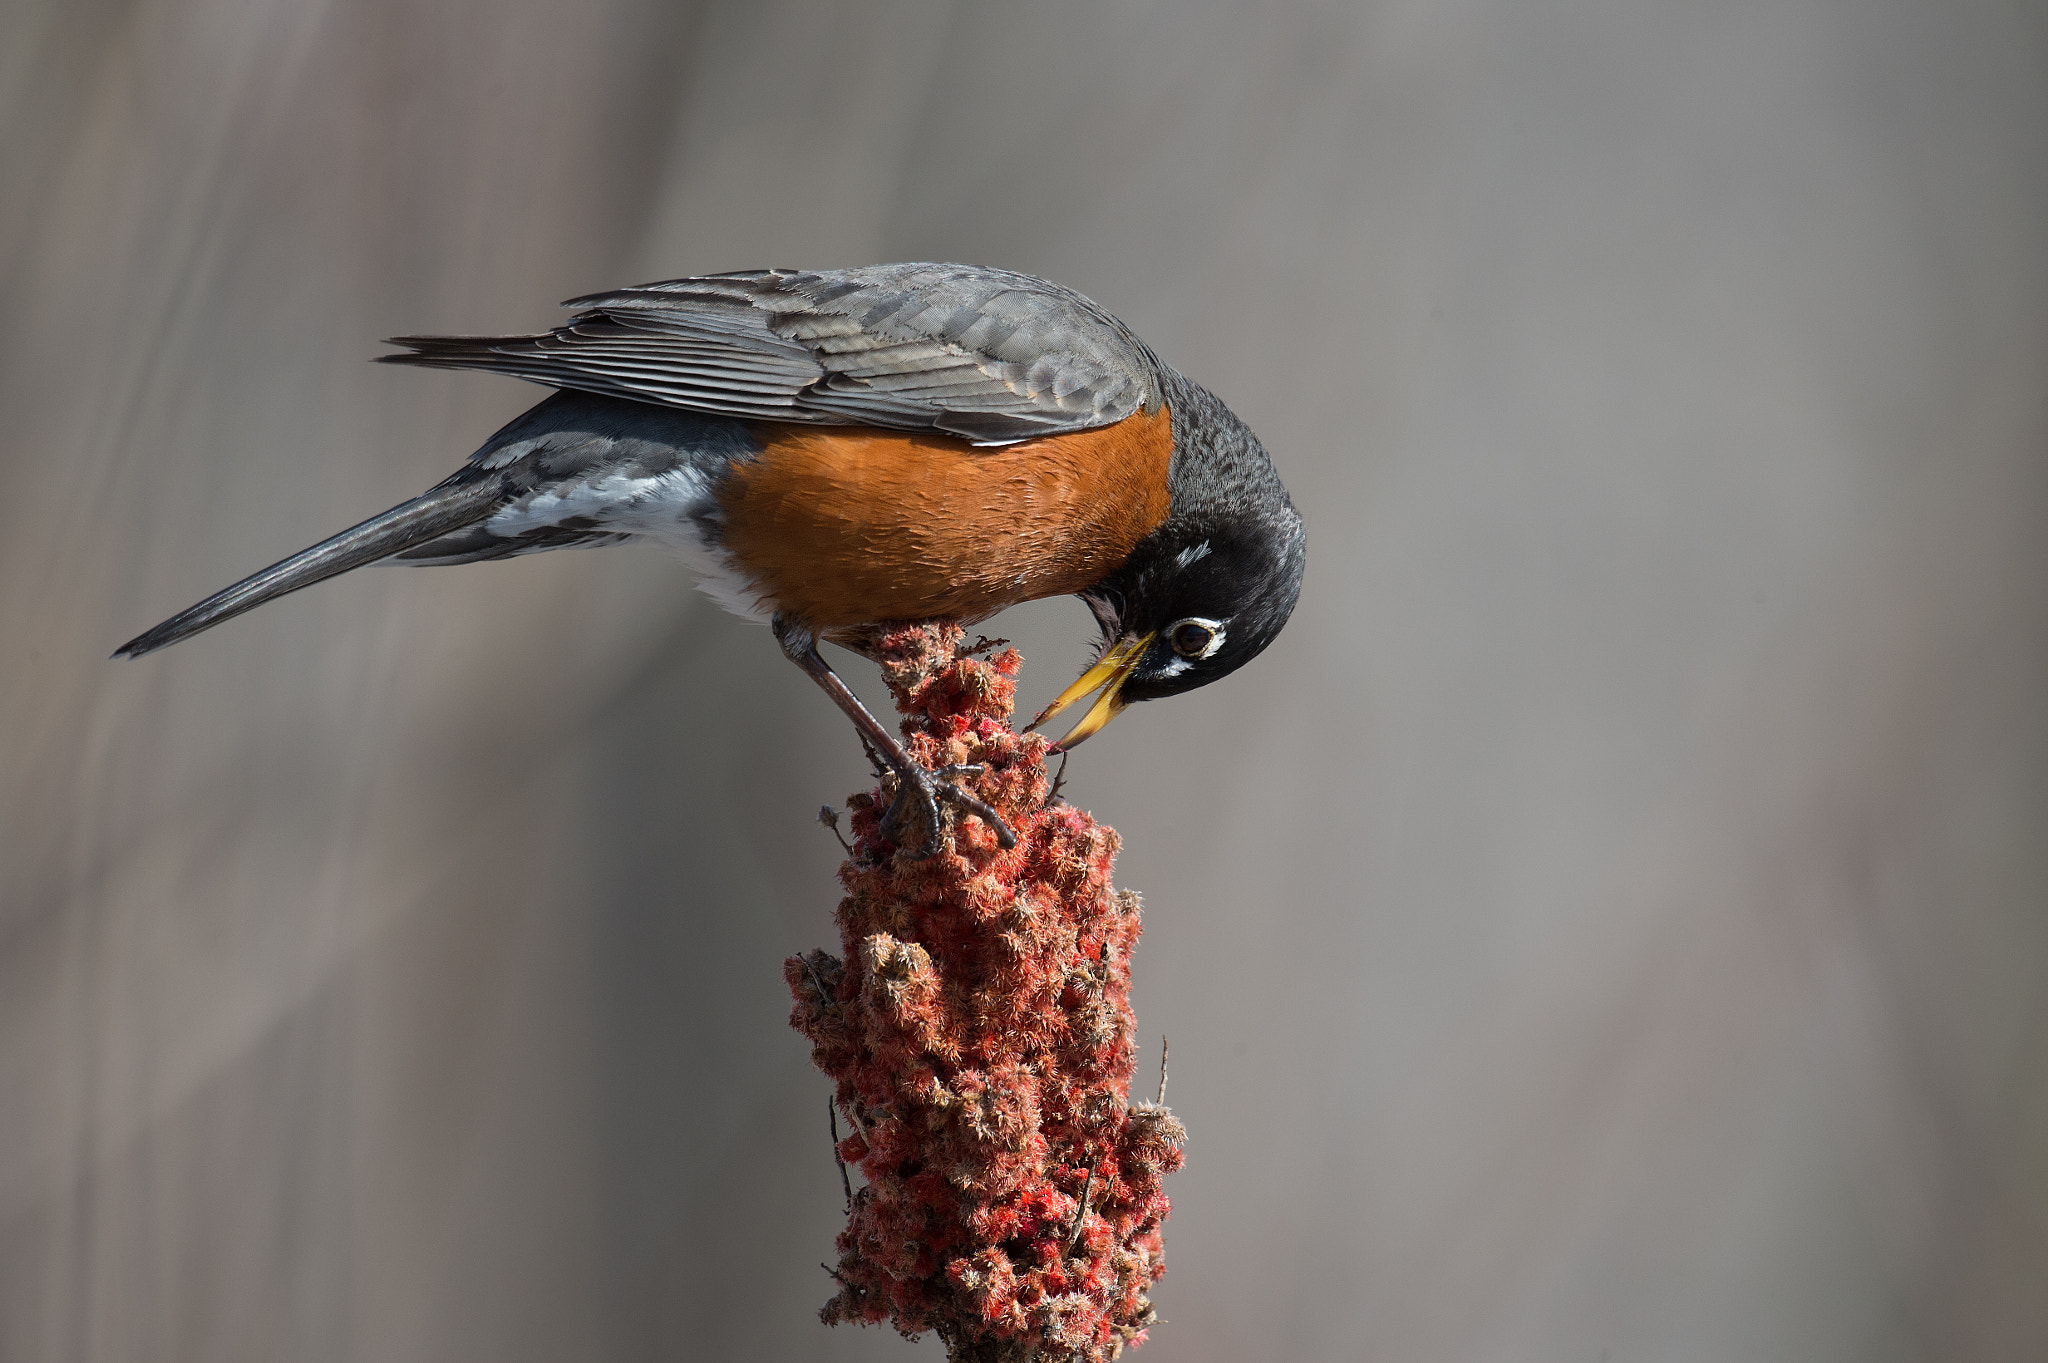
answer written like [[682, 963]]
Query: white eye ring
[[1210, 640]]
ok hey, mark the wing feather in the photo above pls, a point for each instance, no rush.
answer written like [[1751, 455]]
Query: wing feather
[[988, 355]]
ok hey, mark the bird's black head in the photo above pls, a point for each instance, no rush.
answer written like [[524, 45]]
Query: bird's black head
[[1209, 598], [1198, 599]]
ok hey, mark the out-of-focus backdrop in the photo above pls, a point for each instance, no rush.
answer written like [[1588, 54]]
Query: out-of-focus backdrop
[[1611, 923]]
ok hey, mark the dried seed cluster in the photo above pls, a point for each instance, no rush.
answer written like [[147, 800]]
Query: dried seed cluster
[[978, 1028]]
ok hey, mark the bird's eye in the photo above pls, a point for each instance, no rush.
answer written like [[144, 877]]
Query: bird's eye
[[1193, 638]]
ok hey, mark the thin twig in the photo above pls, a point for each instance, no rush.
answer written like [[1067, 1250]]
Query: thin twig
[[1059, 779], [1161, 1099], [853, 1115], [1080, 1213], [824, 994], [832, 1116]]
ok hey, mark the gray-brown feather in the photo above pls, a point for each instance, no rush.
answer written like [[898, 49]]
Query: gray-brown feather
[[989, 355]]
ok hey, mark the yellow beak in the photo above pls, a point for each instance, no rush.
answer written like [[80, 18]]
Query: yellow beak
[[1110, 674]]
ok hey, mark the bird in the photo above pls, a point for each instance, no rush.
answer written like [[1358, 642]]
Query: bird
[[835, 450]]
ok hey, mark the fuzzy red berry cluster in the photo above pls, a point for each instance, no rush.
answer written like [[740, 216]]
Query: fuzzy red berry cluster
[[979, 1033]]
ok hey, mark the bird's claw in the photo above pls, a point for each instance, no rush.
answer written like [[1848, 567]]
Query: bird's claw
[[922, 790]]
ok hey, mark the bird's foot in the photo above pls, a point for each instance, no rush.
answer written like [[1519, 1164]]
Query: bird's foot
[[918, 793]]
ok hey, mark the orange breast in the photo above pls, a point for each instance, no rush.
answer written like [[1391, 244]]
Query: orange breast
[[848, 526]]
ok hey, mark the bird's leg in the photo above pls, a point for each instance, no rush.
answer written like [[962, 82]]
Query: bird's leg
[[914, 785]]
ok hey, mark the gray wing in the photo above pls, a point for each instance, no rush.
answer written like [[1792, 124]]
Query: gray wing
[[988, 355]]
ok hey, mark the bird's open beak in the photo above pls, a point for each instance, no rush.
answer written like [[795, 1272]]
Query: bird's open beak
[[1110, 674]]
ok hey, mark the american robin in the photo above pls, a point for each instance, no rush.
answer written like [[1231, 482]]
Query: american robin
[[836, 449]]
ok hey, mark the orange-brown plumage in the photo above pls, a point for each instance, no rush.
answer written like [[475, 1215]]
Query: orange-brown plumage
[[842, 526]]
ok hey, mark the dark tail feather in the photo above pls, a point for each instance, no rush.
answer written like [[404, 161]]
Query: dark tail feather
[[426, 517]]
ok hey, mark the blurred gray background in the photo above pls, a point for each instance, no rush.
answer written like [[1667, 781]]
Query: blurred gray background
[[1610, 924]]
